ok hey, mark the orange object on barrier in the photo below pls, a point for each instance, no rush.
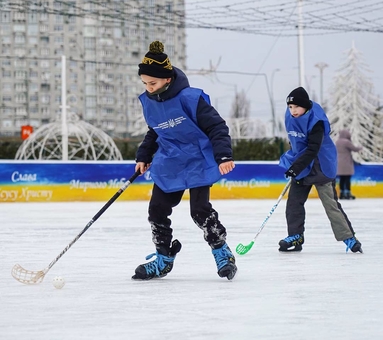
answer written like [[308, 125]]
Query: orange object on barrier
[[26, 130]]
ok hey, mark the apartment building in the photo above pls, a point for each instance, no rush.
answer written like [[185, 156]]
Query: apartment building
[[103, 42]]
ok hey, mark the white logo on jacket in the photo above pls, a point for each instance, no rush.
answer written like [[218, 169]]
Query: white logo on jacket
[[171, 123], [296, 134]]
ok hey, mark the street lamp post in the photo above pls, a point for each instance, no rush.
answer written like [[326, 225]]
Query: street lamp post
[[272, 102]]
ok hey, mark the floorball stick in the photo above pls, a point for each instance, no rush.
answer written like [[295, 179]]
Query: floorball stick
[[30, 277], [242, 249]]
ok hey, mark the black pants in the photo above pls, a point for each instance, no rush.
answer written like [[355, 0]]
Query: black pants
[[345, 183], [204, 216]]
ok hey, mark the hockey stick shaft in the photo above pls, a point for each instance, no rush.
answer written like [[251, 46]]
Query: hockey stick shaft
[[242, 249], [273, 209], [95, 218]]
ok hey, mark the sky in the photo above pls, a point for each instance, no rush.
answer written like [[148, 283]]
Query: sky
[[321, 293], [276, 55]]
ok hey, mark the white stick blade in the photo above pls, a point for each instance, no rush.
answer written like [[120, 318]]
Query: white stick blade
[[27, 277]]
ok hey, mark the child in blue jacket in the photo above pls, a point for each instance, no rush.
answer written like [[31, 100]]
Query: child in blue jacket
[[312, 160], [187, 146]]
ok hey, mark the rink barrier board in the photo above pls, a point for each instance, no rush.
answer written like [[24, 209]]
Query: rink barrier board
[[56, 181]]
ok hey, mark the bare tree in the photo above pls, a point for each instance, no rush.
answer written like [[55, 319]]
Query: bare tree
[[240, 111], [355, 107]]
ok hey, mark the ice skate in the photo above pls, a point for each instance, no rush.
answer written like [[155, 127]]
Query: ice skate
[[225, 261], [353, 244], [291, 243], [160, 266]]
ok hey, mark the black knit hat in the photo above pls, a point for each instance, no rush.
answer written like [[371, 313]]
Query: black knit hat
[[156, 63], [299, 97]]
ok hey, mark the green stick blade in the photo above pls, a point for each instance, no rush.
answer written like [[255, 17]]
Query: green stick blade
[[242, 250]]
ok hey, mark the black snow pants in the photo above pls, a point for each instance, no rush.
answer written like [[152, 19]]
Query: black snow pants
[[204, 216]]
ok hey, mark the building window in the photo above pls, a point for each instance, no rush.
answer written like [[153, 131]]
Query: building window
[[90, 89], [21, 75], [7, 87], [20, 87], [90, 101], [44, 63], [20, 63], [33, 74], [44, 51], [45, 98], [19, 16], [43, 16], [90, 113], [33, 29], [89, 42], [33, 40], [20, 52], [59, 39], [5, 16], [6, 39], [5, 50], [21, 111], [45, 111], [33, 110], [6, 62], [44, 40], [5, 29], [19, 28], [90, 31], [19, 39], [7, 124], [59, 19], [107, 100], [89, 66], [32, 17], [33, 87], [20, 98]]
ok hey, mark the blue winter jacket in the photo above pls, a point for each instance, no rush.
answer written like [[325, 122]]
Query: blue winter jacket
[[298, 130], [187, 138]]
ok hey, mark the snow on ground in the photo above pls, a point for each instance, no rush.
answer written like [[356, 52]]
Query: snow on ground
[[322, 292]]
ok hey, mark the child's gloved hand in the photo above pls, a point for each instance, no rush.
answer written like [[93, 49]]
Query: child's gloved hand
[[290, 173]]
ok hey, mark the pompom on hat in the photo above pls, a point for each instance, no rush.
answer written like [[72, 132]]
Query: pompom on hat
[[299, 97], [156, 63]]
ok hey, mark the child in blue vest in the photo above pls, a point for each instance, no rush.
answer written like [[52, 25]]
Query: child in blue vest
[[312, 160], [187, 146]]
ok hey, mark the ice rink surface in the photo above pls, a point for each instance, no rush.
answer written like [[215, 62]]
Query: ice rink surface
[[321, 293]]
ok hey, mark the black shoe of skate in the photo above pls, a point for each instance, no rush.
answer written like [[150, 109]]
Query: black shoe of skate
[[160, 266], [291, 243]]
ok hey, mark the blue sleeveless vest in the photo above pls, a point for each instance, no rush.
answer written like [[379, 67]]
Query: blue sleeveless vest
[[184, 158], [298, 130]]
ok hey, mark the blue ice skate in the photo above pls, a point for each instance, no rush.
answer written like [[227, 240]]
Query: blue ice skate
[[225, 261], [353, 244], [160, 266]]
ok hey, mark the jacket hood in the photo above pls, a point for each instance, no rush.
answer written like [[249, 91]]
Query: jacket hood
[[345, 134], [179, 82]]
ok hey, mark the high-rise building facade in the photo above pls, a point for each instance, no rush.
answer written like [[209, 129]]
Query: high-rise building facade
[[103, 42]]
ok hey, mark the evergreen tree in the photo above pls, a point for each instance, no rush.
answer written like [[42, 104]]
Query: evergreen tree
[[355, 107]]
